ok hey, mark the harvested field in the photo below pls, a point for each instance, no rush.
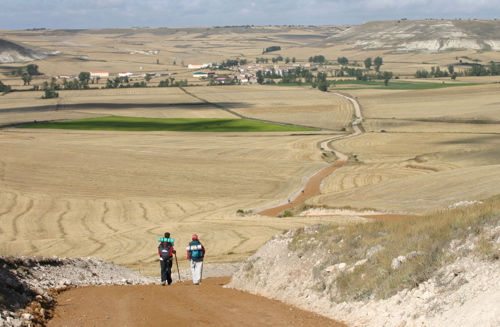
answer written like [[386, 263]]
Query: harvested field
[[433, 152], [150, 102], [293, 105], [110, 194], [466, 103], [207, 125]]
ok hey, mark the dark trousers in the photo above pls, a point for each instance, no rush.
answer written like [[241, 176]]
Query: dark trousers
[[166, 270]]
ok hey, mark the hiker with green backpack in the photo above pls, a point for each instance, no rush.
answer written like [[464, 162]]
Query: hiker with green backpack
[[196, 253], [166, 252]]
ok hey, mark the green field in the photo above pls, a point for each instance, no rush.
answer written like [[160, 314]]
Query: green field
[[118, 123]]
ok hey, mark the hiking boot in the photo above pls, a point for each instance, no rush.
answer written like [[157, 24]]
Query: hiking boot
[[163, 283]]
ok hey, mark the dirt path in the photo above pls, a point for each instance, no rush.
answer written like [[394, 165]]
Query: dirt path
[[181, 304], [312, 187], [310, 190]]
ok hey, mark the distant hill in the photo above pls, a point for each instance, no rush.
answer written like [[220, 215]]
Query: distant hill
[[421, 35], [12, 52]]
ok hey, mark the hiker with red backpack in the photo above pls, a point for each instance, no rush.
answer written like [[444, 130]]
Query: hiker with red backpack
[[196, 253], [166, 252]]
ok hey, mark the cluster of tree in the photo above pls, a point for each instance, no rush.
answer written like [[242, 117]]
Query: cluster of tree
[[231, 63], [436, 72], [82, 82], [49, 94], [26, 73], [362, 75], [261, 60], [4, 88], [50, 89], [271, 49], [319, 59], [30, 69], [351, 72], [298, 75], [171, 82], [368, 62], [343, 61], [492, 69], [320, 82], [377, 62], [122, 82], [277, 59], [227, 81]]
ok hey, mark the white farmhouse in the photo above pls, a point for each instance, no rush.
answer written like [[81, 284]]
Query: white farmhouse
[[99, 73], [199, 66]]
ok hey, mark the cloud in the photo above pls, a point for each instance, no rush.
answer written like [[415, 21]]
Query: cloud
[[126, 13]]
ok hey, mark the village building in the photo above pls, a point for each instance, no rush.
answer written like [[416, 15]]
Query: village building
[[125, 74], [66, 76], [99, 73], [225, 79], [204, 74], [199, 66]]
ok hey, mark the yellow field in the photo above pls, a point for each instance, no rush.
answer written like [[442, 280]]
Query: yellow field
[[111, 194], [439, 147], [293, 105]]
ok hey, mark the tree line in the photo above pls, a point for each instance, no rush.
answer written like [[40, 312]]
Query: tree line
[[492, 69]]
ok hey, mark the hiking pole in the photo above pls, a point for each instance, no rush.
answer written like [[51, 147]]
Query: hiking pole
[[177, 264]]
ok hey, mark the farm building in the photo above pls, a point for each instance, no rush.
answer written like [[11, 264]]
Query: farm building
[[204, 74], [199, 66], [225, 79], [99, 73]]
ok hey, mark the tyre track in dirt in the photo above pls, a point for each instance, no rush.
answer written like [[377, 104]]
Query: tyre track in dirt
[[86, 226], [60, 219], [103, 218], [8, 209], [15, 220]]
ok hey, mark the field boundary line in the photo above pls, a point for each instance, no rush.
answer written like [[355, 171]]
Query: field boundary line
[[246, 117]]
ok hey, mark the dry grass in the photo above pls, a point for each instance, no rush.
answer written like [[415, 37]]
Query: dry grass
[[426, 243]]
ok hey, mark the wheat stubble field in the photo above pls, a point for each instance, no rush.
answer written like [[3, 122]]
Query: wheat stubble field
[[110, 194], [438, 147]]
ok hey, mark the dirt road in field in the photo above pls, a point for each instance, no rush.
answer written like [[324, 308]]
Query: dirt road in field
[[180, 304], [312, 186]]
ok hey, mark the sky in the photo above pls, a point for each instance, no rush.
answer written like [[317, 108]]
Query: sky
[[76, 14]]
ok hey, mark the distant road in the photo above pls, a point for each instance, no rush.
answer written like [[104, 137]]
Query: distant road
[[312, 185]]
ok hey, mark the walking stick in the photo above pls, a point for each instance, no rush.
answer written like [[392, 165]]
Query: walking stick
[[177, 264]]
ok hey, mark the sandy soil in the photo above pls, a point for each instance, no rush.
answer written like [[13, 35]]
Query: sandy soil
[[181, 304]]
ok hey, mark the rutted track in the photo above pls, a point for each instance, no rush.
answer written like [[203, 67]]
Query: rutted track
[[312, 186]]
